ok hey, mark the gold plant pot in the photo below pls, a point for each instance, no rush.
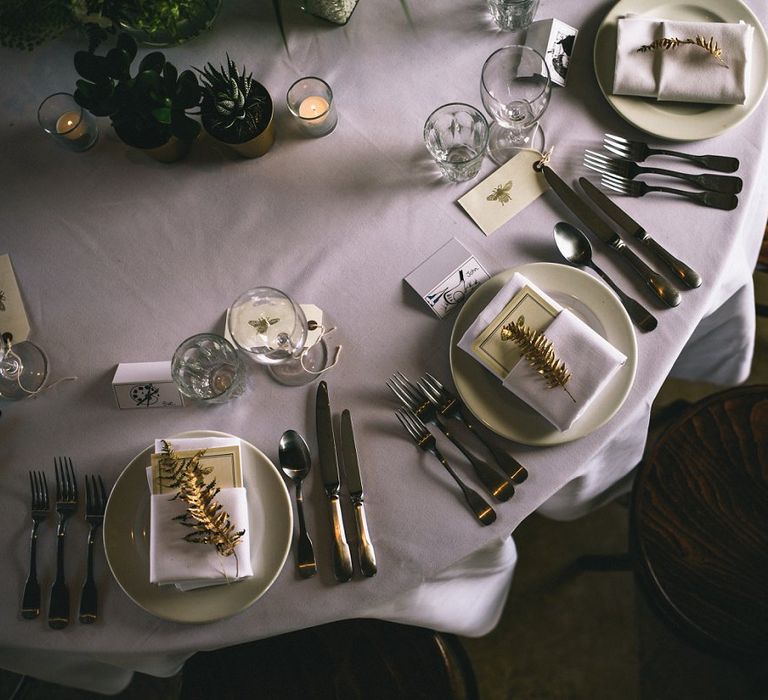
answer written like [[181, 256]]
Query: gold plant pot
[[258, 145], [172, 150]]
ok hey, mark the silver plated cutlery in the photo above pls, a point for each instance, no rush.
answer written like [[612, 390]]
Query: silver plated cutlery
[[728, 184], [30, 603], [426, 441], [95, 502], [639, 151], [66, 505], [638, 188]]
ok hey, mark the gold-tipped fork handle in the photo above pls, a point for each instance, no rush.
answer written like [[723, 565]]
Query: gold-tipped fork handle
[[426, 441], [449, 405], [95, 502], [30, 602], [66, 504]]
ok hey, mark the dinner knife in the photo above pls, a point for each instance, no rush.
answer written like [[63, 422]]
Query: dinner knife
[[686, 274], [657, 283], [355, 485], [329, 468]]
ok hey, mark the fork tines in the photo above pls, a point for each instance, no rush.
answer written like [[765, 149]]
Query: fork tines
[[39, 487], [404, 389], [412, 424], [599, 162], [617, 183], [618, 145], [66, 483], [95, 496]]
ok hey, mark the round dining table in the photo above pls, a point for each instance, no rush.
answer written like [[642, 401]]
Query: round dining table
[[119, 258]]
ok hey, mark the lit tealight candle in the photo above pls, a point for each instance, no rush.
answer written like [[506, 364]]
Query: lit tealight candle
[[314, 108], [71, 126], [311, 101]]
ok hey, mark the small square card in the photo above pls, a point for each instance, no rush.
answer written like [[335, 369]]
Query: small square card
[[145, 385], [505, 193], [13, 317], [447, 277], [501, 356], [554, 40], [225, 462]]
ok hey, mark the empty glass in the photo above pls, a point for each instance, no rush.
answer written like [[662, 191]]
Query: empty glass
[[513, 14], [456, 135], [515, 88], [23, 368], [206, 367]]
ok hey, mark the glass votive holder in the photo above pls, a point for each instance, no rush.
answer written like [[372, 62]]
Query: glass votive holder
[[310, 100], [206, 367], [456, 135], [67, 122], [513, 14]]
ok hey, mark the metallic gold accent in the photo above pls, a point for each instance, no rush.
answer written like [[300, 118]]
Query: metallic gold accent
[[500, 194], [2, 300], [263, 323], [672, 42]]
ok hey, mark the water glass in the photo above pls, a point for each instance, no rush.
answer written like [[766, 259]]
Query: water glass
[[456, 135], [513, 14], [207, 367], [67, 122]]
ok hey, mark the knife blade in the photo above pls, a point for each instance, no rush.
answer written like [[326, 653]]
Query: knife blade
[[687, 275], [329, 468], [657, 283], [355, 484]]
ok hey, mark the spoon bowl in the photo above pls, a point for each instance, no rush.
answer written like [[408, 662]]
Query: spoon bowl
[[573, 245]]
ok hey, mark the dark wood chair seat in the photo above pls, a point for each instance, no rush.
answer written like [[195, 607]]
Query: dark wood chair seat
[[699, 523], [347, 660]]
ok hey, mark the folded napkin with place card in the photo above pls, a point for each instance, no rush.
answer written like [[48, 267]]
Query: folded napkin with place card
[[591, 360], [189, 565], [682, 72]]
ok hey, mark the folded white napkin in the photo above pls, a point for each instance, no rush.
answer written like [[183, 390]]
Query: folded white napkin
[[591, 360], [172, 560], [686, 73]]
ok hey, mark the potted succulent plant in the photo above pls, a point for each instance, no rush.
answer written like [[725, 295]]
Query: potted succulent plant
[[237, 110], [148, 110]]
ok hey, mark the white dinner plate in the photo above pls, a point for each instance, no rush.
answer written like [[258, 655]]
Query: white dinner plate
[[126, 540], [498, 408], [680, 121]]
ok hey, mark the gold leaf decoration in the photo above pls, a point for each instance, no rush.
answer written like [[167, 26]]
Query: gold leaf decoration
[[667, 43], [209, 522], [539, 352]]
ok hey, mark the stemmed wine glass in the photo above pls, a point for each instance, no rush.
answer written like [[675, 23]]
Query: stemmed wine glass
[[23, 368], [515, 88], [272, 329]]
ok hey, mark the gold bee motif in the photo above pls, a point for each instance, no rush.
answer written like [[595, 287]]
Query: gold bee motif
[[501, 193], [262, 323]]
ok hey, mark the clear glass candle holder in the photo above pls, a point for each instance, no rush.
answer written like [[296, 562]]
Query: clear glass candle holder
[[310, 100], [67, 122], [510, 15], [207, 368], [456, 135]]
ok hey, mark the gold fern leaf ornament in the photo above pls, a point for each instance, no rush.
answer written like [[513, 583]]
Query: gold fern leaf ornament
[[672, 42], [209, 522], [539, 352]]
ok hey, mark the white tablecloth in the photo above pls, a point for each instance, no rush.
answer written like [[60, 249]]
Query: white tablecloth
[[119, 258]]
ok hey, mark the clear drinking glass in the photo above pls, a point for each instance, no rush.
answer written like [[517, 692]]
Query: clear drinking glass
[[272, 329], [515, 88], [513, 14], [67, 122], [23, 368], [206, 367], [456, 135]]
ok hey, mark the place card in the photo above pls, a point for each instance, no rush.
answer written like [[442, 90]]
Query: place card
[[224, 462], [501, 356], [13, 316], [505, 192], [554, 40], [447, 277], [146, 385]]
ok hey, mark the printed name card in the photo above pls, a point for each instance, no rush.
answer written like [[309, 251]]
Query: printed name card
[[224, 463], [554, 40], [447, 277], [13, 317], [505, 193], [145, 385]]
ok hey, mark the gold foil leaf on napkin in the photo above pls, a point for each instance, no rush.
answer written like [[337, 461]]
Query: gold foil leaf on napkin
[[672, 42], [539, 352], [209, 522]]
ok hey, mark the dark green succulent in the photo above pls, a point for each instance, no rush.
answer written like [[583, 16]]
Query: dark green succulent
[[146, 109], [235, 108]]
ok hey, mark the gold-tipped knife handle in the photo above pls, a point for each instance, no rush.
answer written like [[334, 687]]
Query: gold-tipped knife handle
[[342, 559], [657, 283], [687, 275], [365, 548]]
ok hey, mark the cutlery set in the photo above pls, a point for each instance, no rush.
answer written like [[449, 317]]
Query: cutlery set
[[428, 400], [66, 506]]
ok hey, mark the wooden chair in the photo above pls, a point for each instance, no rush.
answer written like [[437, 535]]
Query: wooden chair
[[347, 660]]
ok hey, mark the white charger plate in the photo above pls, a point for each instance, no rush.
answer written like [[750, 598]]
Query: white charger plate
[[498, 408], [126, 540], [679, 121]]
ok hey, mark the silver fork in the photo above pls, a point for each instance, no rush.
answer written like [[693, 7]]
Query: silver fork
[[30, 602], [448, 404], [638, 188], [426, 441], [66, 504], [639, 151], [95, 501], [626, 168], [414, 399]]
